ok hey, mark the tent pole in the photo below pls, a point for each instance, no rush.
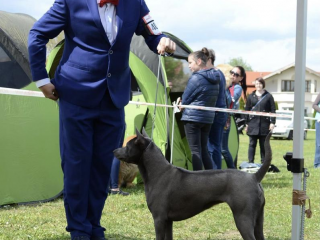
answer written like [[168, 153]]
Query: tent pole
[[172, 126], [167, 109], [299, 96]]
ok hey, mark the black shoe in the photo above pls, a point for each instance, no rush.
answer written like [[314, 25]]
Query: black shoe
[[98, 238], [81, 238], [120, 192]]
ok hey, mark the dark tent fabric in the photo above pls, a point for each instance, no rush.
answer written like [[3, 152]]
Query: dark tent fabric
[[14, 59]]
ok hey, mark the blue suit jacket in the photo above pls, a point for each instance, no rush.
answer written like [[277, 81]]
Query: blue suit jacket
[[90, 65]]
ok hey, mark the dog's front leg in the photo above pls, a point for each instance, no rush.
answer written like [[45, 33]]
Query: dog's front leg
[[163, 229], [168, 230]]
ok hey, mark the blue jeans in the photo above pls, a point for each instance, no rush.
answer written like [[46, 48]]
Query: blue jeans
[[317, 153], [215, 138], [114, 175], [197, 136], [225, 149]]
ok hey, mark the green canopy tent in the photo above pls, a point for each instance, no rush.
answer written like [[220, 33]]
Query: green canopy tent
[[30, 161]]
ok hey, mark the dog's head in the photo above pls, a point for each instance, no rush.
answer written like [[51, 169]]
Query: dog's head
[[134, 149]]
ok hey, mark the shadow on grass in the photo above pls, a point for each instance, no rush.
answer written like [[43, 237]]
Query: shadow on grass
[[56, 238], [138, 189], [269, 238], [30, 204], [109, 237], [275, 238], [120, 237], [277, 180]]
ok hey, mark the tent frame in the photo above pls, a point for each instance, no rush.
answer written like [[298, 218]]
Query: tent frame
[[299, 96]]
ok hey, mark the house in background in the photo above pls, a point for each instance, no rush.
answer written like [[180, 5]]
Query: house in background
[[280, 84]]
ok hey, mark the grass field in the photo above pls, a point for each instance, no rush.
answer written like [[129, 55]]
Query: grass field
[[128, 218]]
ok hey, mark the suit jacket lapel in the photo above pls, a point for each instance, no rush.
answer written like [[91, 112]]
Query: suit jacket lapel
[[93, 7]]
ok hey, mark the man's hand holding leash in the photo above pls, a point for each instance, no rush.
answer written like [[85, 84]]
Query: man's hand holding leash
[[166, 45], [49, 91]]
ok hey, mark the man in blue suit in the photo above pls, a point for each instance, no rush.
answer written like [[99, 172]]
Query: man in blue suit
[[92, 83]]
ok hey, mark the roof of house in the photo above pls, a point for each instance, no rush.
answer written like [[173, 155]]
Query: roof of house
[[279, 71], [251, 76]]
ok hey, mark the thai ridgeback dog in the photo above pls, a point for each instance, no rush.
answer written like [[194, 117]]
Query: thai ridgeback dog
[[175, 194]]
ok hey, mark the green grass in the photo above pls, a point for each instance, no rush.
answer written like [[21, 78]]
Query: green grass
[[129, 218]]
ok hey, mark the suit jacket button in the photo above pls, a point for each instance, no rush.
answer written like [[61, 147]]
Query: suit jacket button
[[110, 51], [109, 74]]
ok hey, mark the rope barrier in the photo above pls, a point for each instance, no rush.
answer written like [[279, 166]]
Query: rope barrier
[[19, 92], [215, 109]]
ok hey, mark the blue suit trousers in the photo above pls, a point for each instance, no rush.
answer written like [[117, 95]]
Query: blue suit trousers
[[88, 137]]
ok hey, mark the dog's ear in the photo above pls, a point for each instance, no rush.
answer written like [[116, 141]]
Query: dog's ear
[[139, 135], [144, 133], [141, 141]]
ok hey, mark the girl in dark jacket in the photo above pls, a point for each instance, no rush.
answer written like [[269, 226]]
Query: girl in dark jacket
[[258, 127], [202, 90]]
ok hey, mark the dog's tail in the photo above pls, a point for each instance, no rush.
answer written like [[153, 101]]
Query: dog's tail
[[267, 159]]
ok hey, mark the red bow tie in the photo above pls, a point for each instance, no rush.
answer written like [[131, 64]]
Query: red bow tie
[[103, 2]]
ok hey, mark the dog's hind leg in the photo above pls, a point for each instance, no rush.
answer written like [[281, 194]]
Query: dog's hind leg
[[245, 225], [258, 229]]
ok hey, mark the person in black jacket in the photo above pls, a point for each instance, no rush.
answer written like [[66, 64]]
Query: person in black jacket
[[258, 127], [202, 90]]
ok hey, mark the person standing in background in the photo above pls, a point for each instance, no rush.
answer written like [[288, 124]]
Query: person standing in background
[[92, 83], [238, 86], [202, 90], [233, 94], [220, 118], [114, 175], [258, 127], [316, 107]]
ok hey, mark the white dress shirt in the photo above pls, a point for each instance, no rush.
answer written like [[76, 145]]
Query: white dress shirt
[[109, 22]]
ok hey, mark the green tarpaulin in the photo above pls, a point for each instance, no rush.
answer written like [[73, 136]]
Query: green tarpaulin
[[29, 149]]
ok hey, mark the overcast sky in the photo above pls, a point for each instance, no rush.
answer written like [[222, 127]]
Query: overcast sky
[[262, 32]]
